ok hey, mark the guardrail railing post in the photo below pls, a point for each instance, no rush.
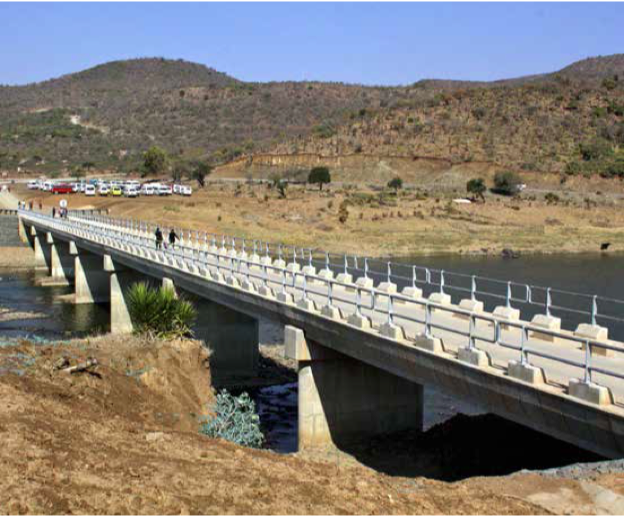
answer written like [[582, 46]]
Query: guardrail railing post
[[442, 281], [548, 302], [473, 287], [593, 311], [508, 295]]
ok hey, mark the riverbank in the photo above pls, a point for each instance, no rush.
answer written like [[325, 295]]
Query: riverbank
[[145, 456], [381, 224]]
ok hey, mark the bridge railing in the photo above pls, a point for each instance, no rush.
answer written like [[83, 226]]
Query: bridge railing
[[571, 307], [327, 292]]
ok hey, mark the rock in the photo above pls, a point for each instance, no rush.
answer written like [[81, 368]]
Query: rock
[[509, 253], [155, 436]]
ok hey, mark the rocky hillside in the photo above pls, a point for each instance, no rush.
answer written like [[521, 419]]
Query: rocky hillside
[[107, 116]]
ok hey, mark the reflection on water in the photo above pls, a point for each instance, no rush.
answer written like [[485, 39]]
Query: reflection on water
[[36, 310]]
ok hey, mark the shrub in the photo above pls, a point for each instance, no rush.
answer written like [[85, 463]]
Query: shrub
[[160, 311], [396, 183], [343, 212], [320, 175], [507, 183], [233, 419], [551, 198], [476, 187], [155, 160]]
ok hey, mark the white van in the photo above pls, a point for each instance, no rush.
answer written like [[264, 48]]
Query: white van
[[47, 186], [104, 190], [185, 190], [33, 185], [89, 190], [164, 190], [147, 189], [131, 192]]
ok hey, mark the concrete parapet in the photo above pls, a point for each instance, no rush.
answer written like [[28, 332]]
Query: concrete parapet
[[526, 372], [266, 291], [309, 270], [293, 267], [471, 305], [279, 263], [306, 304], [506, 313], [266, 261], [473, 356], [590, 392]]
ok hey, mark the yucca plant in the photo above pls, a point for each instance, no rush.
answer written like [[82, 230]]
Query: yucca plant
[[160, 311]]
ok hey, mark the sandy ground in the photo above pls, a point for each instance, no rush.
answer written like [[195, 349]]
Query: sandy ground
[[124, 440], [383, 225]]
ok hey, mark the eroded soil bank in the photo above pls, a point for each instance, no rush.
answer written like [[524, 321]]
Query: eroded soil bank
[[123, 439]]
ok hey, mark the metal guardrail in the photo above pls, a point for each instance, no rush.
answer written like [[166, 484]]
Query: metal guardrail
[[571, 307], [211, 262]]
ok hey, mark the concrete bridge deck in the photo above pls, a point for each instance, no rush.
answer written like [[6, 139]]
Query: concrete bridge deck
[[376, 346]]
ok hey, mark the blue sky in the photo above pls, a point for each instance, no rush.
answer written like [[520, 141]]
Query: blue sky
[[371, 43]]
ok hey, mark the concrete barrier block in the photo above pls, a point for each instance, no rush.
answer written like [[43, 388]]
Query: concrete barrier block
[[526, 373], [247, 285], [364, 282], [441, 299], [590, 392], [411, 292], [279, 263], [254, 259], [391, 330], [284, 297], [307, 304], [266, 261], [547, 322], [387, 287], [266, 291], [431, 344], [309, 270], [359, 321], [473, 356], [471, 305], [331, 312], [595, 333], [293, 267], [345, 278], [326, 274]]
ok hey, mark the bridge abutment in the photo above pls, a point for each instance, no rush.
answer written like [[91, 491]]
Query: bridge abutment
[[342, 400]]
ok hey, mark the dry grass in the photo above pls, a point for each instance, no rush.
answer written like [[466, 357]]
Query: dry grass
[[406, 225]]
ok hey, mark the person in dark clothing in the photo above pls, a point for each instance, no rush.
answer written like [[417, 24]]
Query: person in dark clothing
[[53, 211], [172, 238], [159, 238]]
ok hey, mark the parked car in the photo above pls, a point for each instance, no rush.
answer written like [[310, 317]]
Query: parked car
[[164, 190], [47, 186], [116, 191], [104, 190], [62, 188], [131, 192], [185, 190], [33, 185], [147, 189], [89, 190]]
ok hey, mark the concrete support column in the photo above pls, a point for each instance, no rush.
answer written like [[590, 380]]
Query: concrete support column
[[91, 282], [233, 339], [343, 400], [41, 261], [120, 280], [61, 262], [21, 230]]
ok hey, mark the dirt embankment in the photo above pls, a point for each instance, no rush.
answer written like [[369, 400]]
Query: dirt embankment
[[123, 439]]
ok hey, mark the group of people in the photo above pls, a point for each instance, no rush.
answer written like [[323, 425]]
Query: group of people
[[62, 212], [22, 205], [173, 237]]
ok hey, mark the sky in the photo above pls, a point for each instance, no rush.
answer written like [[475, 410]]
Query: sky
[[368, 43]]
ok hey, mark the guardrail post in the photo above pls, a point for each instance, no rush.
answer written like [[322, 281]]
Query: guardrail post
[[473, 287]]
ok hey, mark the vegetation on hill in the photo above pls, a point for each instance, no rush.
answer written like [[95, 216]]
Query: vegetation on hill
[[109, 115]]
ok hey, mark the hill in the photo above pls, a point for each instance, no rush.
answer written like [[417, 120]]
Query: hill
[[107, 116]]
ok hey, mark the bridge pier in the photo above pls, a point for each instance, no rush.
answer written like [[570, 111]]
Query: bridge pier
[[42, 251], [91, 282], [120, 280], [342, 400], [61, 262]]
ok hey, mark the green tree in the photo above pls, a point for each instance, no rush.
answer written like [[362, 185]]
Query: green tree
[[396, 183], [200, 171], [155, 160], [319, 175], [507, 183], [476, 187]]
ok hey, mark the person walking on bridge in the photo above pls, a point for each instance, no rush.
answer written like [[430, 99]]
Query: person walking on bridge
[[159, 238], [173, 236]]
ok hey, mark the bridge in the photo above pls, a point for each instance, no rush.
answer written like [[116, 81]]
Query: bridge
[[367, 337]]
